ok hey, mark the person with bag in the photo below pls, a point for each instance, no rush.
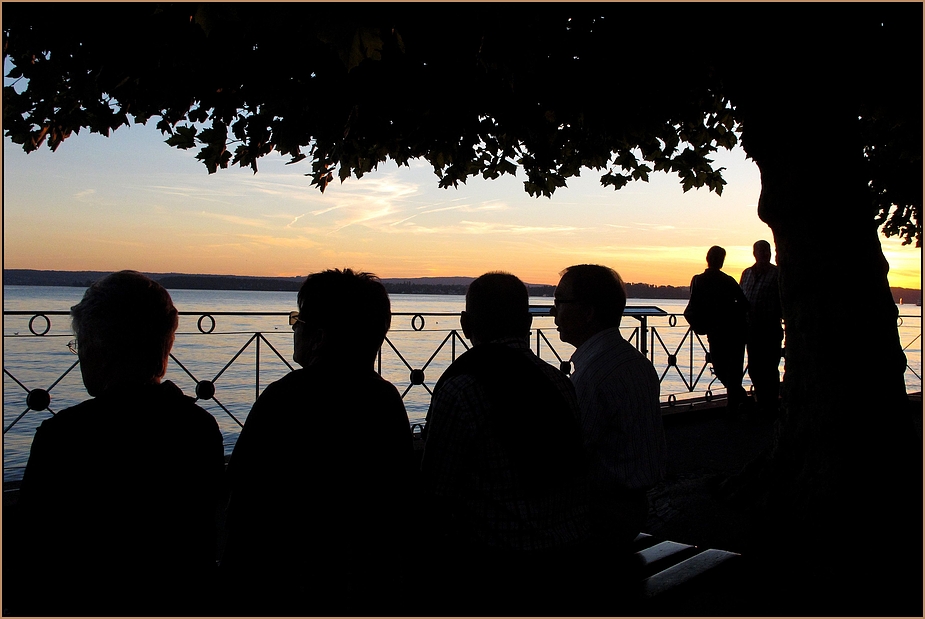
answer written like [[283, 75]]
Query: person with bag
[[718, 309]]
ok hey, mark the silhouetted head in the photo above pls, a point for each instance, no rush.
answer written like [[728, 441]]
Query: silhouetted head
[[762, 252], [497, 306], [343, 318], [588, 299], [125, 326], [716, 256]]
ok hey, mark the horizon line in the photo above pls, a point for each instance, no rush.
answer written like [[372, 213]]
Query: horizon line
[[289, 277]]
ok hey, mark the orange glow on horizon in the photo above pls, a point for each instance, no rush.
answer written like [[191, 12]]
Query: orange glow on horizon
[[905, 271], [98, 205]]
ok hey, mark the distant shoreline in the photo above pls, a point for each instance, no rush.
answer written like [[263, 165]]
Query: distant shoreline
[[394, 285]]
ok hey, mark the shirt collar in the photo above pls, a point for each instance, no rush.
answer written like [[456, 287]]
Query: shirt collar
[[513, 342], [592, 344]]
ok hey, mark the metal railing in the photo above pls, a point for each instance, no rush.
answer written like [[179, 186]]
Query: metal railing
[[412, 357]]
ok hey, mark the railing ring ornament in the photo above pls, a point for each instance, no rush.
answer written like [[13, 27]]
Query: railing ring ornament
[[205, 390], [199, 324], [672, 399], [38, 399], [672, 320], [417, 377], [899, 321], [708, 396], [414, 322], [47, 325]]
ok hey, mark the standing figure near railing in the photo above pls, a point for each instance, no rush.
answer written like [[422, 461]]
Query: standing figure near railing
[[120, 493], [320, 476], [503, 468], [718, 308], [618, 401], [765, 333]]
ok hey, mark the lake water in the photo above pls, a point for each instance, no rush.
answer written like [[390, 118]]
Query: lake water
[[229, 354]]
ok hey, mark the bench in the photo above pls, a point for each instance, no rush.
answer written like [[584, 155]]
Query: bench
[[671, 578]]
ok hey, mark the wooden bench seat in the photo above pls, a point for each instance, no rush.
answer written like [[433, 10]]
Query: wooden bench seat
[[682, 579]]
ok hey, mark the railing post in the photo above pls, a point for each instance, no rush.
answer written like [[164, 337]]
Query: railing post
[[257, 373], [690, 332], [643, 336]]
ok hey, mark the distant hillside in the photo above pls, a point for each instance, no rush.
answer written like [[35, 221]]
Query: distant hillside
[[648, 291], [430, 281], [395, 285], [229, 282], [171, 281], [182, 281], [908, 296], [81, 279], [448, 285]]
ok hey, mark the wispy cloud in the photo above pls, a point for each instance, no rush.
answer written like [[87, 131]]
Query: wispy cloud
[[484, 228], [238, 220], [648, 227], [468, 208], [328, 209], [296, 242], [657, 227], [297, 218], [646, 249], [116, 242], [196, 189], [83, 196], [361, 216], [463, 208]]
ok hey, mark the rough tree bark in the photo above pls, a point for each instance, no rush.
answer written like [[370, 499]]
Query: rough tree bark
[[841, 499]]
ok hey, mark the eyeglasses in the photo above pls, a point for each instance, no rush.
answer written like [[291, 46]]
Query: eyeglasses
[[294, 318], [72, 346]]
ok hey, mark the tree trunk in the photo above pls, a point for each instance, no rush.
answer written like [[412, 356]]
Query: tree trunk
[[842, 504]]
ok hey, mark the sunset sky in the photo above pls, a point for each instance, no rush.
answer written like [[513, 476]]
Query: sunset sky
[[131, 201]]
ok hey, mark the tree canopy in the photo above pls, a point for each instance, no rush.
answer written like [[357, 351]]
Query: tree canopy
[[476, 90], [825, 98]]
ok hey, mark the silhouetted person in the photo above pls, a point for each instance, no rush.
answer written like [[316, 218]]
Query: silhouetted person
[[121, 492], [618, 401], [503, 466], [718, 308], [320, 476], [760, 284]]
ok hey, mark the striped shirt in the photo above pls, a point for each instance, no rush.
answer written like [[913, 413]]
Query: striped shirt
[[621, 420], [467, 466]]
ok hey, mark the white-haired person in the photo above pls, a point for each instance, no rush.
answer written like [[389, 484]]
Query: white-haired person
[[120, 493]]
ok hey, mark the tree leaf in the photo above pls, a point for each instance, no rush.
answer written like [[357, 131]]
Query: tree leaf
[[183, 138]]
